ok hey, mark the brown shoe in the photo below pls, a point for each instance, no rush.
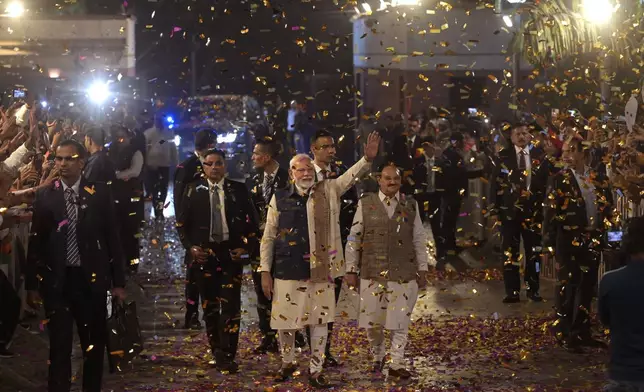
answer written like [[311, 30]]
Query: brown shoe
[[401, 373], [378, 366]]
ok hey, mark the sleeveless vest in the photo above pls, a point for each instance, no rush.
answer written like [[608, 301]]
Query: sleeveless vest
[[292, 249], [387, 249]]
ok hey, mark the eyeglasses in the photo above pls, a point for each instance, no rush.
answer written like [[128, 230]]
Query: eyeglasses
[[303, 171], [68, 159]]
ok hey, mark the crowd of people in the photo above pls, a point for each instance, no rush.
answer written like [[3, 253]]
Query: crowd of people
[[377, 227]]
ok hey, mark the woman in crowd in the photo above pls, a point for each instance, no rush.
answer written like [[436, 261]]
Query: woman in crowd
[[128, 191]]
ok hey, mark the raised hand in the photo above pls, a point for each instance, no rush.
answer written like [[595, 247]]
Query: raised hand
[[371, 146]]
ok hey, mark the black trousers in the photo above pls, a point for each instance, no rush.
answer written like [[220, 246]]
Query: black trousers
[[219, 281], [130, 213], [576, 284], [192, 288], [264, 306], [450, 208], [9, 310], [429, 209], [159, 178], [511, 234], [89, 310]]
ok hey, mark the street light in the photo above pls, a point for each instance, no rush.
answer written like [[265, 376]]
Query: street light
[[15, 9], [98, 92], [598, 11]]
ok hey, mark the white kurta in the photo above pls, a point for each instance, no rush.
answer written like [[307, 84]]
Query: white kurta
[[391, 303], [298, 303]]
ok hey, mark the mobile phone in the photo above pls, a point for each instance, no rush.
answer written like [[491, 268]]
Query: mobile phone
[[614, 236], [19, 93]]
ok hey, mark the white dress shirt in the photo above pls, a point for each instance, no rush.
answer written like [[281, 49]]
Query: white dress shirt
[[220, 192], [420, 236], [588, 193], [528, 163]]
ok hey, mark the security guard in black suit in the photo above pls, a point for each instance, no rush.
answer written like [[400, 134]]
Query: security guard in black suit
[[187, 172], [269, 177]]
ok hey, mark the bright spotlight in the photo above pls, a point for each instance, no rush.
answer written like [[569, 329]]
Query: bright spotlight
[[507, 20], [43, 104], [170, 120], [98, 92], [598, 11], [404, 2], [177, 140], [71, 104], [15, 9]]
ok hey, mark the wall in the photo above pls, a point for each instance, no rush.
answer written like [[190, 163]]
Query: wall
[[406, 63]]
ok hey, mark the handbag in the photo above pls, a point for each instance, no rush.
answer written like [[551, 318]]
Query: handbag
[[124, 340]]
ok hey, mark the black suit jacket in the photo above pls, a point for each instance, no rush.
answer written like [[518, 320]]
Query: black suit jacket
[[193, 219], [256, 188], [505, 182], [186, 172], [402, 155], [452, 175], [98, 239], [565, 218], [99, 168]]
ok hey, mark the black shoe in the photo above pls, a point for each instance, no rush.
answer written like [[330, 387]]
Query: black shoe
[[268, 345], [511, 299], [592, 343], [319, 381], [299, 340], [5, 353], [573, 346], [401, 373], [193, 323], [535, 297], [329, 361], [285, 373], [230, 367]]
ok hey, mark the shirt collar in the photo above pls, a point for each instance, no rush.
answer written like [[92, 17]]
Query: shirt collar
[[319, 168], [518, 150], [273, 173], [383, 196], [220, 184], [74, 187]]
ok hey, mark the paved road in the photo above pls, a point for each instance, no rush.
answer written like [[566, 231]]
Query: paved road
[[462, 339]]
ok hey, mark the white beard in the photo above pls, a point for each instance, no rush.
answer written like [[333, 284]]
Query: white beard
[[304, 185]]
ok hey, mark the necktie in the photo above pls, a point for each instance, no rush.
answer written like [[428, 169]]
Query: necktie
[[387, 201], [216, 228], [268, 185], [73, 255], [522, 162], [325, 174]]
